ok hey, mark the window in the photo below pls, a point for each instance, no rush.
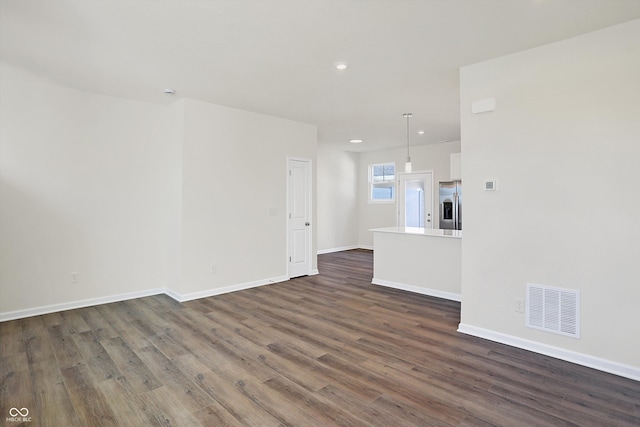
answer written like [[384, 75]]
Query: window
[[382, 182]]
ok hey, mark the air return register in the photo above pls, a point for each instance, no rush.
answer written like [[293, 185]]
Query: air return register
[[553, 309]]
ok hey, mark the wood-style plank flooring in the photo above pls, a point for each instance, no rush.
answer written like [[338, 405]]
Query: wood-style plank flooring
[[324, 350]]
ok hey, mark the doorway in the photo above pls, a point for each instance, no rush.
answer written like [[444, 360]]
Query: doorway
[[299, 217], [415, 199]]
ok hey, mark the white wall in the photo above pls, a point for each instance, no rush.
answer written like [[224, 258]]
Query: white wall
[[234, 171], [435, 157], [173, 194], [563, 145], [82, 189], [424, 263], [136, 197], [338, 198]]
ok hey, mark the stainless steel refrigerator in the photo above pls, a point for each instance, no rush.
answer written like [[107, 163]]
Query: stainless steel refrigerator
[[451, 205]]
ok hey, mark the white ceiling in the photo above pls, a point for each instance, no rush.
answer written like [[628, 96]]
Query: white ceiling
[[277, 56]]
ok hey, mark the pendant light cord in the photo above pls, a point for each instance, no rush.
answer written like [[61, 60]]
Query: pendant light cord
[[408, 116]]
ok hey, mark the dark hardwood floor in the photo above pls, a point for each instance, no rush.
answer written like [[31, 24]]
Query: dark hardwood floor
[[325, 350]]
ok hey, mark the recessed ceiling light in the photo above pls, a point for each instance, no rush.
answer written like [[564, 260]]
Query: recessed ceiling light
[[355, 141], [420, 132], [341, 66], [169, 91]]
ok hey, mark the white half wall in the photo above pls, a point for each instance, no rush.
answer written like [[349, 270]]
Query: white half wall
[[418, 262], [563, 146]]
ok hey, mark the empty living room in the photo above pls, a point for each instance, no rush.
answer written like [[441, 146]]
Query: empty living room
[[319, 213]]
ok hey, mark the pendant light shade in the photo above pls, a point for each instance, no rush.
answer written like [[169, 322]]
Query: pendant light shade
[[407, 163]]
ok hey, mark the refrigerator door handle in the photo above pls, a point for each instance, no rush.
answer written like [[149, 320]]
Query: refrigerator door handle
[[455, 210]]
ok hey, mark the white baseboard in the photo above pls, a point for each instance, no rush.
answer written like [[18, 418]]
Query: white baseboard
[[225, 289], [417, 289], [627, 371], [343, 248], [173, 294], [340, 249], [37, 311]]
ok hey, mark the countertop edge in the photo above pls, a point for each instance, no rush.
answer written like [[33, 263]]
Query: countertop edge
[[429, 232]]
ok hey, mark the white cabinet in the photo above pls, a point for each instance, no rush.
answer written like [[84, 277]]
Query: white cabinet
[[455, 167]]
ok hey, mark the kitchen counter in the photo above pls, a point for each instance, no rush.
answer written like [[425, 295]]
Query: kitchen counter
[[456, 234], [404, 259]]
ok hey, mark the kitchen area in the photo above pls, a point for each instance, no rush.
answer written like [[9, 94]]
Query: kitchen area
[[425, 260]]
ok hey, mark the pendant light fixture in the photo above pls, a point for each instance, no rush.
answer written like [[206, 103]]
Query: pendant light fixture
[[407, 164]]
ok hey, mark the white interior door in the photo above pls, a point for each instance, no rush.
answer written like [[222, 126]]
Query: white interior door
[[415, 199], [299, 218]]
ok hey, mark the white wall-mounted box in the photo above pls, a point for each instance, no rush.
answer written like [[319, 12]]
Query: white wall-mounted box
[[483, 105]]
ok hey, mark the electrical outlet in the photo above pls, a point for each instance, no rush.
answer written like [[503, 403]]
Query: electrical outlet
[[519, 305], [74, 277], [214, 268]]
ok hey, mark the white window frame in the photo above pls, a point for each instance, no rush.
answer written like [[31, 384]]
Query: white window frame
[[392, 182]]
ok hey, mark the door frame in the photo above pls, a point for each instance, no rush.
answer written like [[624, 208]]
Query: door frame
[[310, 210], [398, 189]]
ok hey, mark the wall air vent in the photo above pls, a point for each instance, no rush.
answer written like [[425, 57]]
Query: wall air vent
[[553, 309]]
